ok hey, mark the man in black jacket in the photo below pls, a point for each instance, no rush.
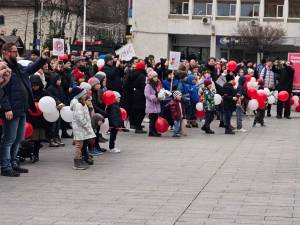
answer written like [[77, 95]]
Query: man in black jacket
[[18, 98], [285, 83]]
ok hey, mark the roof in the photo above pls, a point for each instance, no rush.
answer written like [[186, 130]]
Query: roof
[[14, 39], [17, 3]]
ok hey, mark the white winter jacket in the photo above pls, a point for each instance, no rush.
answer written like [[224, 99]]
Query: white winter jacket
[[81, 123]]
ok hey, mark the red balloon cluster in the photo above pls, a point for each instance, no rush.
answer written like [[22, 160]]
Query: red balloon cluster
[[28, 130], [248, 78], [262, 98], [283, 96], [252, 92], [161, 125], [38, 111], [200, 114], [108, 98], [232, 65], [123, 114]]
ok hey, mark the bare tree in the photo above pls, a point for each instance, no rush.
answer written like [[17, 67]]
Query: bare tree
[[260, 38]]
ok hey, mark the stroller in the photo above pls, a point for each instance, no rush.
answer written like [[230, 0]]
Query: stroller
[[26, 150]]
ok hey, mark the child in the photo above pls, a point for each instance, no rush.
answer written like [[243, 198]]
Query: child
[[194, 98], [241, 92], [177, 113], [229, 102], [260, 113], [82, 126], [208, 105], [170, 81], [56, 91], [115, 122], [152, 101]]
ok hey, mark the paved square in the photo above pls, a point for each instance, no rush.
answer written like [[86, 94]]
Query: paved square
[[249, 178]]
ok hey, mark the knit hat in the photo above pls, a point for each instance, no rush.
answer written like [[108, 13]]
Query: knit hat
[[177, 93], [93, 81], [108, 58], [100, 76], [207, 82], [117, 94], [152, 74], [78, 92], [229, 78], [140, 66], [85, 86], [149, 69]]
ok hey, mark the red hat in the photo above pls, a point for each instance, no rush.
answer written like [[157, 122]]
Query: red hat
[[140, 66], [207, 82], [77, 74]]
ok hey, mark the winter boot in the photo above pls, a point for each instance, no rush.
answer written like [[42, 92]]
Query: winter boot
[[78, 165], [52, 143]]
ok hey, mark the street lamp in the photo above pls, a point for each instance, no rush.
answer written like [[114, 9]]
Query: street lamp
[[84, 25]]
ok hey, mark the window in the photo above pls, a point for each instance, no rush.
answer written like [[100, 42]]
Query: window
[[1, 20], [294, 8], [129, 8], [179, 7], [226, 8], [274, 8], [250, 8], [203, 7]]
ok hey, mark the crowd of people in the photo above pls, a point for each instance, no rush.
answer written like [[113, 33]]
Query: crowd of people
[[143, 87]]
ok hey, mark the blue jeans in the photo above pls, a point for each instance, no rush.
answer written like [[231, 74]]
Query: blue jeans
[[177, 127], [239, 117], [12, 134]]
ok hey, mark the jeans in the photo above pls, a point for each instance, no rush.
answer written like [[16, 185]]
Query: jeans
[[12, 134], [239, 117], [54, 130], [228, 115], [177, 127]]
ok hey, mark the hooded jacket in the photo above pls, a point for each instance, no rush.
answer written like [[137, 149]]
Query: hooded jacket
[[57, 92]]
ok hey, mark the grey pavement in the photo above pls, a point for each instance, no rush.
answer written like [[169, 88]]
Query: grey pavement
[[250, 178]]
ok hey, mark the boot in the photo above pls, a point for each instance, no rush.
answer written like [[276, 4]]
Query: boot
[[89, 161], [78, 165], [188, 124], [222, 124], [52, 143], [229, 131], [65, 134], [195, 124], [58, 141]]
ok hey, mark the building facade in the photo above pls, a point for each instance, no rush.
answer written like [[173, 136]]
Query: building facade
[[198, 28]]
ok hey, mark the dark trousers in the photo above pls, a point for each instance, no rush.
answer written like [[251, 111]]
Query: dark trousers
[[152, 117], [260, 116], [85, 152], [36, 148], [112, 138], [284, 105], [209, 117], [228, 115], [137, 120], [54, 130]]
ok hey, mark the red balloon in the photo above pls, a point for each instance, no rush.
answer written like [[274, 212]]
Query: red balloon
[[283, 96], [108, 97], [261, 104], [248, 77], [252, 92], [161, 125], [245, 86], [292, 102], [63, 58], [124, 114], [262, 96], [38, 111], [28, 130], [232, 65], [298, 107], [200, 114]]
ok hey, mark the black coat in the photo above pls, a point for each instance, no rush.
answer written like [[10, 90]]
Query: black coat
[[57, 92], [113, 75], [286, 79], [18, 99], [213, 71], [229, 93], [98, 106], [114, 116], [139, 83]]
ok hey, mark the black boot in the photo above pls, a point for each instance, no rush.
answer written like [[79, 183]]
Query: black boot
[[20, 169], [10, 173], [58, 141], [52, 143], [222, 124]]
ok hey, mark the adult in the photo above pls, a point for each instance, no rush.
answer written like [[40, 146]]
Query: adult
[[285, 83], [18, 98], [269, 80], [211, 67], [35, 54], [114, 81]]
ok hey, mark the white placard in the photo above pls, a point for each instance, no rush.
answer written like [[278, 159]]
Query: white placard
[[58, 46], [174, 60], [126, 53]]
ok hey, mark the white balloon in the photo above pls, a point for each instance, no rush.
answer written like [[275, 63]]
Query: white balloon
[[296, 104], [47, 104], [275, 93], [252, 84], [25, 62], [161, 95], [253, 104], [51, 117], [66, 114], [296, 98], [104, 127], [100, 63], [199, 106], [267, 91], [218, 99], [271, 100], [253, 80]]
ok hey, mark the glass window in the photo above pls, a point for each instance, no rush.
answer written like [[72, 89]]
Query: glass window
[[179, 7], [1, 20], [294, 8], [250, 8], [226, 8], [203, 7], [274, 8]]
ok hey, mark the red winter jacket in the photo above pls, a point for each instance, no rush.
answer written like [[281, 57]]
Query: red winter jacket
[[177, 113]]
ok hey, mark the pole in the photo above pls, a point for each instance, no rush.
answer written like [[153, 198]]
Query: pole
[[41, 21], [84, 25], [172, 81]]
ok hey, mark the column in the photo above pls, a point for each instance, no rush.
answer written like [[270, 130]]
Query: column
[[286, 10], [213, 47], [261, 10], [191, 9], [238, 10], [214, 10]]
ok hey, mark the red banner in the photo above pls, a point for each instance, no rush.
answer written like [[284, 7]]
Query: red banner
[[295, 59]]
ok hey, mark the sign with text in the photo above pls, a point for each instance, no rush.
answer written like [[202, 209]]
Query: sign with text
[[58, 46], [174, 60], [295, 59], [126, 53]]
